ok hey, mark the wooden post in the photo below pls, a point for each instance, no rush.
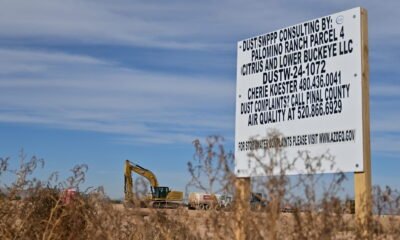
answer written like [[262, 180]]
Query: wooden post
[[362, 180], [242, 202]]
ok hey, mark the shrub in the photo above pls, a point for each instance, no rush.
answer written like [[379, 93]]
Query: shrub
[[41, 212]]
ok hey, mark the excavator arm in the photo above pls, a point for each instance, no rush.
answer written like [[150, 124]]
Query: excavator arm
[[149, 175], [132, 167]]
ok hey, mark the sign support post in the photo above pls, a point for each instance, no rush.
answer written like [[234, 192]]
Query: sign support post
[[362, 180], [242, 186]]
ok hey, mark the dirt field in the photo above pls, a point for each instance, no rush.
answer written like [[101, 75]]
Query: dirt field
[[201, 222]]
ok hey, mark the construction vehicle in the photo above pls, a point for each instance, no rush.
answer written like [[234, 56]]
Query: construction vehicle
[[160, 197], [206, 201], [202, 201], [257, 201], [224, 201], [68, 195]]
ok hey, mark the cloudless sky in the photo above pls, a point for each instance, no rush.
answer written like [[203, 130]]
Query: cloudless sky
[[98, 82]]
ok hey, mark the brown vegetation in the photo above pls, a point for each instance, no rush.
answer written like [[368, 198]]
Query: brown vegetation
[[31, 208]]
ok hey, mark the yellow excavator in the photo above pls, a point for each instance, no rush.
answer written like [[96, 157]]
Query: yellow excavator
[[160, 197]]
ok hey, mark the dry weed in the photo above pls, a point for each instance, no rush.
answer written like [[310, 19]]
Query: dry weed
[[290, 208]]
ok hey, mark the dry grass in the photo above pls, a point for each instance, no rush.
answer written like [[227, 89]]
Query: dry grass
[[33, 208]]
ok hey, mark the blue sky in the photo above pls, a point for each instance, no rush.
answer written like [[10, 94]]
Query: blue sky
[[98, 82]]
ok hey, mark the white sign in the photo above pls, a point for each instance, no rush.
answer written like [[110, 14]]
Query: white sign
[[305, 82]]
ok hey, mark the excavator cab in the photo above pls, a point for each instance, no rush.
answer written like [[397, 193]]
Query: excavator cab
[[160, 192]]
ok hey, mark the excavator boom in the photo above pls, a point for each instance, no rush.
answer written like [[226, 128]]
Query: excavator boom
[[133, 167]]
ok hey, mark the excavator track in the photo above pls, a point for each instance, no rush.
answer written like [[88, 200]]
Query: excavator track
[[164, 204]]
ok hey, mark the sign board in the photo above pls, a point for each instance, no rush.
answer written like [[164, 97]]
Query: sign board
[[305, 82]]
